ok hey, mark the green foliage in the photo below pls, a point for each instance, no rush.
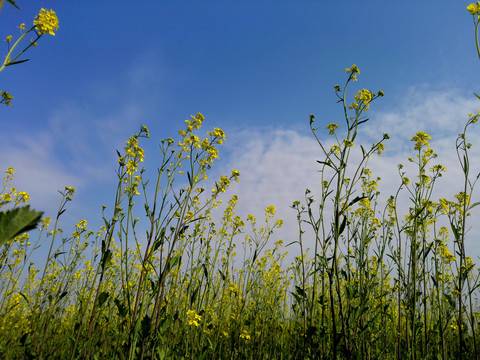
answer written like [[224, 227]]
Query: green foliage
[[17, 221]]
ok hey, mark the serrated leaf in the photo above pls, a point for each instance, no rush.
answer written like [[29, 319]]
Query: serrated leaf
[[17, 221]]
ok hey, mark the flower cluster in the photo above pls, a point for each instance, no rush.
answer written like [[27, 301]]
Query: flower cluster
[[362, 100], [46, 22], [6, 98], [193, 318], [331, 128], [353, 71], [421, 139], [474, 9]]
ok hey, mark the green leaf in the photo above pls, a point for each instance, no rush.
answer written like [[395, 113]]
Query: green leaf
[[16, 62], [122, 310], [13, 3], [102, 298], [455, 231], [174, 261], [17, 221], [473, 205], [205, 270], [62, 295], [357, 199], [342, 226], [193, 297], [325, 163], [146, 326], [106, 256], [222, 274]]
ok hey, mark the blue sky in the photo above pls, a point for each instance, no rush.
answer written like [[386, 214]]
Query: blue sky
[[256, 69]]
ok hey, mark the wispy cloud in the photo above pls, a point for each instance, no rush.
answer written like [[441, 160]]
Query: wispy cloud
[[277, 166], [76, 146]]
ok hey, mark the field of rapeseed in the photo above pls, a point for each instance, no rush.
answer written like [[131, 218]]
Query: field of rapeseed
[[376, 285]]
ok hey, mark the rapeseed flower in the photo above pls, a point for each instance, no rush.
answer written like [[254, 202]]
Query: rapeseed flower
[[245, 335], [46, 22], [6, 98], [331, 128], [421, 139], [474, 9], [354, 70], [270, 210], [193, 318]]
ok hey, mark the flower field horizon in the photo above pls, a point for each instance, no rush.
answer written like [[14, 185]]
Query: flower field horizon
[[381, 263]]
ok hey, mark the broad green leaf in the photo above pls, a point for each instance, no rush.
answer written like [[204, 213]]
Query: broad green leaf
[[17, 221]]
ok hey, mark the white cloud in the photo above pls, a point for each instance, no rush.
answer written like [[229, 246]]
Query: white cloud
[[38, 171], [277, 166], [76, 146]]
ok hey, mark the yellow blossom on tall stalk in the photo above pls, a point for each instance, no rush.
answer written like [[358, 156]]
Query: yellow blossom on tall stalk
[[354, 70], [46, 22], [421, 139], [331, 128], [474, 9]]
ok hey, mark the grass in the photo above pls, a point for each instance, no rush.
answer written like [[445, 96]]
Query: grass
[[375, 284]]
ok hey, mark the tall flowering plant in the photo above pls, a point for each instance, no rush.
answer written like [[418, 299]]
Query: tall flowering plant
[[21, 219], [46, 22]]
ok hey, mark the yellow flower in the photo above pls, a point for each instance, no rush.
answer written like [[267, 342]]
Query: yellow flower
[[365, 96], [46, 22], [354, 70], [331, 128], [474, 9], [421, 139], [335, 149], [9, 38], [193, 318], [380, 148], [362, 97], [245, 335], [6, 98], [21, 26], [235, 175], [270, 210], [348, 143]]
